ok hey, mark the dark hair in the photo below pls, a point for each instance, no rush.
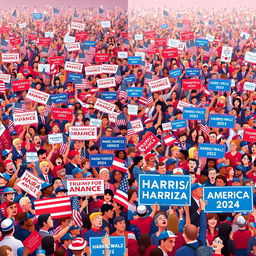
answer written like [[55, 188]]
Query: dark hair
[[109, 191], [131, 181], [43, 219], [40, 126], [221, 177], [118, 219], [41, 152], [156, 252], [144, 242], [48, 245], [106, 207], [159, 164], [131, 191]]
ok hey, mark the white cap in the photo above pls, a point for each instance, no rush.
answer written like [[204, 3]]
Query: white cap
[[77, 244], [103, 169], [7, 224], [177, 170], [141, 209], [241, 220]]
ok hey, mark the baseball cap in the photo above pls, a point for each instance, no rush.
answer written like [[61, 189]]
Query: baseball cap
[[148, 120], [148, 156], [5, 152], [141, 209], [76, 170], [170, 161], [253, 224], [244, 143], [9, 190], [241, 220], [77, 244], [45, 185], [7, 224], [59, 189], [5, 176], [103, 169], [221, 165], [166, 234], [73, 153], [177, 171], [67, 236], [196, 185], [236, 180]]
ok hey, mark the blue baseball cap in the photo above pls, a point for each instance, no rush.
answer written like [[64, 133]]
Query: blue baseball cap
[[76, 170], [5, 152], [170, 161], [9, 190], [236, 180], [59, 189], [67, 236], [196, 185], [253, 224], [45, 185], [240, 168], [75, 227], [28, 216], [166, 234], [5, 176], [244, 143], [40, 251], [221, 165]]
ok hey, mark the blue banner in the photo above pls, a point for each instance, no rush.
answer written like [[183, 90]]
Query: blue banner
[[164, 189], [135, 92], [194, 113], [219, 85], [134, 60], [201, 42], [228, 199], [89, 43], [211, 150], [113, 143], [177, 124], [101, 160], [164, 26], [109, 95], [59, 98], [222, 121], [193, 72], [37, 16], [72, 77], [175, 72], [129, 79], [116, 247]]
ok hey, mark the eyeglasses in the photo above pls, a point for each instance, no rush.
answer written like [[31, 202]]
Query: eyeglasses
[[217, 242]]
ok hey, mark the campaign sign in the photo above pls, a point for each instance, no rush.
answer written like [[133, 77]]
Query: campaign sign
[[226, 53], [44, 41], [106, 82], [150, 34], [57, 60], [134, 60], [109, 68], [164, 26], [249, 135], [72, 46], [173, 43], [187, 36], [122, 55], [104, 106], [44, 68], [55, 138], [248, 86], [37, 16], [99, 160], [25, 118], [135, 92], [193, 72], [222, 121], [161, 42], [93, 70], [5, 78], [31, 157], [73, 66], [69, 39], [116, 247], [62, 114], [37, 96], [106, 24], [33, 241], [138, 37], [83, 132], [164, 189], [15, 41], [113, 143], [81, 35], [175, 72], [170, 53], [85, 187], [228, 199], [201, 42], [20, 85], [148, 142], [101, 57], [132, 110], [129, 79], [72, 77], [30, 183], [59, 98], [137, 125], [77, 25], [90, 43], [219, 85], [194, 113], [95, 121], [109, 95], [210, 38], [191, 84], [250, 57], [10, 57], [160, 84], [178, 124], [211, 150]]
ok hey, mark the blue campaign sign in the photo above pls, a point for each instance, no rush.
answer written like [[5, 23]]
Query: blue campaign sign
[[164, 189], [135, 92], [164, 26], [175, 72], [201, 42], [194, 113], [177, 124], [222, 121], [72, 77], [219, 85], [89, 43], [59, 98], [193, 72], [37, 16], [101, 160], [211, 150], [109, 95], [129, 79], [228, 199], [113, 143], [117, 246], [134, 60]]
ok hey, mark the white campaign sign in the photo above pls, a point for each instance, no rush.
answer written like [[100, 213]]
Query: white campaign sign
[[138, 36], [173, 43], [226, 53], [83, 132], [160, 84], [250, 57], [249, 86], [56, 138], [10, 57], [93, 70], [109, 69], [37, 96], [6, 78], [106, 82], [106, 24], [78, 25], [73, 66], [137, 125], [69, 39], [132, 110], [122, 55], [73, 46], [25, 118], [104, 106]]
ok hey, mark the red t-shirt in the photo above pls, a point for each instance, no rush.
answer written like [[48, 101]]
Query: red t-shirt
[[241, 238], [234, 159], [143, 224]]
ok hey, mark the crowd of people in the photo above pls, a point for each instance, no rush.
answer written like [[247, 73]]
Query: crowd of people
[[27, 148]]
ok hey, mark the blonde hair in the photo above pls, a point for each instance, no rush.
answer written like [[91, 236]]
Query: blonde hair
[[191, 152], [16, 140], [173, 223], [42, 163]]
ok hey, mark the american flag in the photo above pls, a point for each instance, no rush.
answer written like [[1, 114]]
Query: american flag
[[49, 107], [122, 93], [121, 195], [10, 125], [130, 130], [121, 119], [242, 43], [170, 139], [150, 98], [118, 164], [76, 211], [2, 87], [59, 207], [63, 148], [204, 128], [143, 101], [19, 107], [118, 76]]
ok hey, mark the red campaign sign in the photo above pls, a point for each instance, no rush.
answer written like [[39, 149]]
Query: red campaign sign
[[191, 84], [188, 22], [101, 57], [4, 30], [20, 85], [5, 139], [150, 34], [81, 35], [44, 41], [33, 241], [148, 142], [187, 36], [153, 50], [160, 42], [170, 53], [249, 135], [57, 60], [15, 41], [125, 35], [32, 36], [62, 114]]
